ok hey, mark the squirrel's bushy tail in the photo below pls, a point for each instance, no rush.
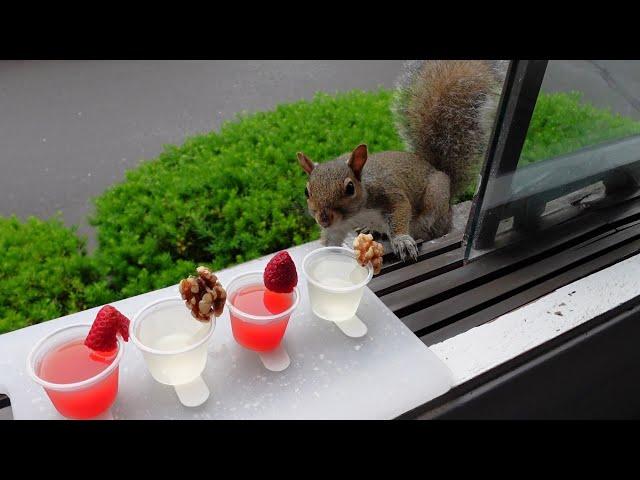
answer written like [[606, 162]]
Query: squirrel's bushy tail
[[444, 111]]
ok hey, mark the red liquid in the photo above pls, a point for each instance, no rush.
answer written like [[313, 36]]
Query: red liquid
[[74, 362], [257, 300]]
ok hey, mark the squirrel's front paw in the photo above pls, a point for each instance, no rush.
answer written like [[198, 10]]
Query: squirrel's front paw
[[405, 246]]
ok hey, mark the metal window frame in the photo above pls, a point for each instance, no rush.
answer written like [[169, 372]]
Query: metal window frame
[[515, 110]]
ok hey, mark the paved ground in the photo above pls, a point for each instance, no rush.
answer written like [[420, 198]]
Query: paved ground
[[69, 129], [613, 84]]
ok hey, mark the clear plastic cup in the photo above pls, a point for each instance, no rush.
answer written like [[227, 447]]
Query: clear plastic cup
[[79, 400], [260, 333], [174, 347], [336, 282]]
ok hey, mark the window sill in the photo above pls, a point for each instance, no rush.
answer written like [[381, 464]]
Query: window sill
[[482, 348]]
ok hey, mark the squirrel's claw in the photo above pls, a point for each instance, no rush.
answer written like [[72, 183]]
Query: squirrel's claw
[[405, 246]]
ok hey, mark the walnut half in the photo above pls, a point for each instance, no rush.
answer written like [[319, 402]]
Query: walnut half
[[203, 294], [367, 250]]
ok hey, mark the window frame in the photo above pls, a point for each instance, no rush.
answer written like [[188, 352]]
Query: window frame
[[514, 112]]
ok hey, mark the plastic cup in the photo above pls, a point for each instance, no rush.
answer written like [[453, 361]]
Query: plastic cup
[[336, 282], [79, 400], [174, 347], [335, 293], [260, 333]]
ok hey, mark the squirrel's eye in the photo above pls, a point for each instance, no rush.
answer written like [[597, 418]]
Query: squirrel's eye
[[350, 189], [306, 192]]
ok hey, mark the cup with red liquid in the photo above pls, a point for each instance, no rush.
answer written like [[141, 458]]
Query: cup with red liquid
[[81, 383], [259, 317]]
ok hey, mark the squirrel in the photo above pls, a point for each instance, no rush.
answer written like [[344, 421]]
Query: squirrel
[[444, 112]]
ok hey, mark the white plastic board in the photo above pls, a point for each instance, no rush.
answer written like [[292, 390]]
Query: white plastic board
[[331, 376]]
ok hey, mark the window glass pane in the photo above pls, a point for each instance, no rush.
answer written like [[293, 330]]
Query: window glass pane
[[583, 103], [581, 150]]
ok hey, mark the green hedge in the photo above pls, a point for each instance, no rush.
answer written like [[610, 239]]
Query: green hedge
[[44, 273], [226, 197]]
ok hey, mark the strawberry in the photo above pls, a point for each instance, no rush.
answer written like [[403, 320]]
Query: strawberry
[[108, 323], [280, 273]]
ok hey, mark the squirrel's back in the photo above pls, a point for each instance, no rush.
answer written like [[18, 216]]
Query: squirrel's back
[[444, 111]]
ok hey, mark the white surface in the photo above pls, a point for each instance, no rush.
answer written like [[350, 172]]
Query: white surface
[[276, 360], [193, 393], [381, 375], [354, 327], [493, 343]]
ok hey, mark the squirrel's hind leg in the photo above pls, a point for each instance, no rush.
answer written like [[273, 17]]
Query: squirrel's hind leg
[[435, 219], [430, 225], [442, 225]]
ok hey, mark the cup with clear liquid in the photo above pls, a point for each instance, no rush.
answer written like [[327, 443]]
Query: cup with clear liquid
[[336, 282], [174, 347]]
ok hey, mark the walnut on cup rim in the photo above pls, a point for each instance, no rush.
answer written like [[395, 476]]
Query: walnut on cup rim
[[203, 295], [367, 250]]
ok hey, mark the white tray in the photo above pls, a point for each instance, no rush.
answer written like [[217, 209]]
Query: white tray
[[331, 376]]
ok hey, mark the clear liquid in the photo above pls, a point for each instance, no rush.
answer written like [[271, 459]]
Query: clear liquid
[[331, 271], [175, 341], [170, 329]]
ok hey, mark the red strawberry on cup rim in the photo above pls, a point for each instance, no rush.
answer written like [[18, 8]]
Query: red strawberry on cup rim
[[108, 324], [280, 274]]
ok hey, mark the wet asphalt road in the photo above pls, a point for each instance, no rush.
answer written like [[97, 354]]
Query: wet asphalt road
[[69, 129]]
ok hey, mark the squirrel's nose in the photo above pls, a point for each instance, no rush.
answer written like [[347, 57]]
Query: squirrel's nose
[[326, 218]]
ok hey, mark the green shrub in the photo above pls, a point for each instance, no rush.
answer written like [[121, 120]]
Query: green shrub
[[44, 273]]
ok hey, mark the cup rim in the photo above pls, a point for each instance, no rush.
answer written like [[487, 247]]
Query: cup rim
[[261, 318], [343, 251], [138, 343], [65, 387]]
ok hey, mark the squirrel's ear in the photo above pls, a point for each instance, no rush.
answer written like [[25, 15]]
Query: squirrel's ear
[[358, 159], [306, 163]]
